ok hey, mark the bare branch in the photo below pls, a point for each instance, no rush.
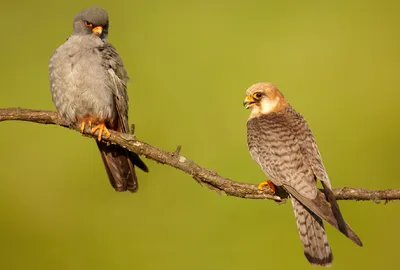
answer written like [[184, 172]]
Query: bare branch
[[203, 176]]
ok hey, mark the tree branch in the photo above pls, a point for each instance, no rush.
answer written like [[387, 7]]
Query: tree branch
[[203, 176]]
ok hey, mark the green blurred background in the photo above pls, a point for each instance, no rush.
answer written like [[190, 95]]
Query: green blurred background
[[190, 63]]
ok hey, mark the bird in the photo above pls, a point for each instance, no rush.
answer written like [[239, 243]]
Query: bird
[[281, 142], [88, 83]]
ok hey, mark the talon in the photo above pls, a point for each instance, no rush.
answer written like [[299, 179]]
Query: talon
[[102, 128], [83, 126], [267, 183]]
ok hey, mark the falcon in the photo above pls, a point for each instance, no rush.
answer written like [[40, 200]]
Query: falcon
[[88, 84], [281, 142]]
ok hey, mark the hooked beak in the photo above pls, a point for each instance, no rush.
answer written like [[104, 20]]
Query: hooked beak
[[97, 30], [248, 102]]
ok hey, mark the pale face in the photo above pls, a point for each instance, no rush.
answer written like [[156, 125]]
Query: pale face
[[263, 98]]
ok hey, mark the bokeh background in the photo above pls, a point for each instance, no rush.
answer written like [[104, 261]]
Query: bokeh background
[[190, 63]]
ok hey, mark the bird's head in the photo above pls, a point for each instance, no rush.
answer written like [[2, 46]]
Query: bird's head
[[264, 98], [91, 21]]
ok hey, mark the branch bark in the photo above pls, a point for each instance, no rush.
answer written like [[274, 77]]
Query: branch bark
[[203, 176]]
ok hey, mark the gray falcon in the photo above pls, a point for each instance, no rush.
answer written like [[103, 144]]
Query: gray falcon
[[281, 142], [88, 85]]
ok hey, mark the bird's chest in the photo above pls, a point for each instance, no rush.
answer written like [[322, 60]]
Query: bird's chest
[[262, 138], [80, 83], [84, 70], [274, 146], [270, 142]]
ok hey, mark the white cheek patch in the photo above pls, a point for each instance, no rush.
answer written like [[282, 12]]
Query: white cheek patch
[[268, 106], [255, 112], [265, 107]]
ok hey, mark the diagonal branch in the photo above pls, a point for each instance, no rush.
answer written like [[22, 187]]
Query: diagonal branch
[[202, 175]]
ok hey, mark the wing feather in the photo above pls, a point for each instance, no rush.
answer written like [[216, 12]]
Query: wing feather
[[117, 81], [308, 145]]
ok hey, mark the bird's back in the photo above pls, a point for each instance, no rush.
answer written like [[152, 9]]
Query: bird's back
[[276, 149]]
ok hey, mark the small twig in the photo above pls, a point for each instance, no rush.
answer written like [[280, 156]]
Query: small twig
[[132, 129], [203, 176], [178, 150]]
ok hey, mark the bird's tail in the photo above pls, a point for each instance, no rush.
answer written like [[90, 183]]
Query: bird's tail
[[120, 166], [326, 207], [312, 235]]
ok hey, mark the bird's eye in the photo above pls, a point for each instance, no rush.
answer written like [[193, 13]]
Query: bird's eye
[[257, 95], [88, 24]]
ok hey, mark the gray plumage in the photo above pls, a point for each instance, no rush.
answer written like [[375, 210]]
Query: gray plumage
[[88, 83], [281, 142]]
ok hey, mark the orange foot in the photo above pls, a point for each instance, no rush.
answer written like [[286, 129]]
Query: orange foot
[[83, 124], [102, 128], [267, 183]]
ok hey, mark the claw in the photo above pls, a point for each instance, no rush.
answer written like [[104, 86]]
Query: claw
[[267, 183], [102, 128], [83, 125]]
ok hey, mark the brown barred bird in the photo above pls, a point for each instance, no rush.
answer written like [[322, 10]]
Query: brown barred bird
[[281, 142]]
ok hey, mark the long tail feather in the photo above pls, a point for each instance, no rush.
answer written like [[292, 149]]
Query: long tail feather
[[328, 212], [312, 235], [119, 166]]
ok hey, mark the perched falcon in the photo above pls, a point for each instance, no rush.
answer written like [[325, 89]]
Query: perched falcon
[[88, 84], [281, 142]]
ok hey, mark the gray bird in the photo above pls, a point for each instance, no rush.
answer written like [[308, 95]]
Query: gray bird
[[88, 85], [281, 142]]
